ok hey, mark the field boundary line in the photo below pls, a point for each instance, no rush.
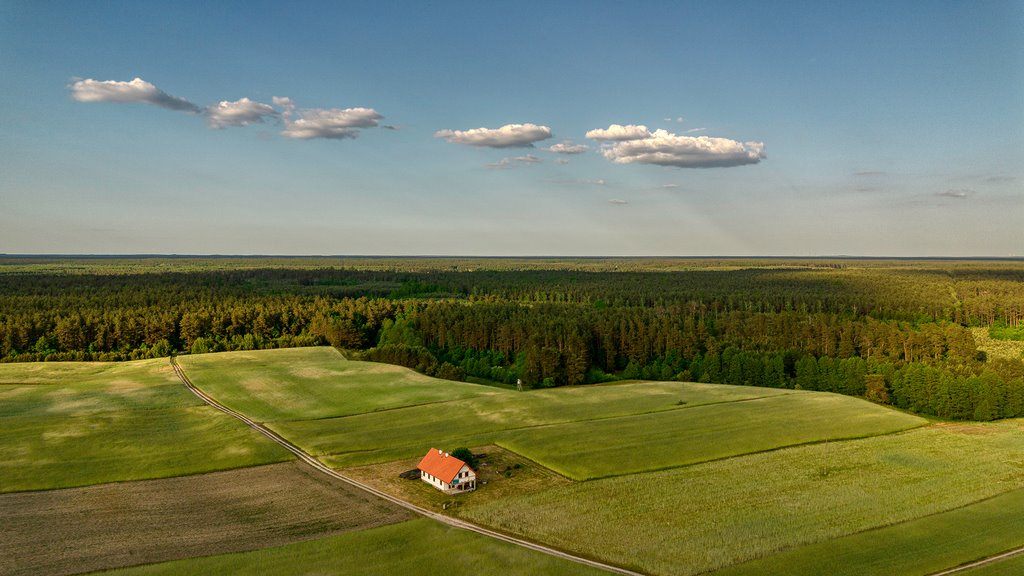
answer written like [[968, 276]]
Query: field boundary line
[[453, 522]]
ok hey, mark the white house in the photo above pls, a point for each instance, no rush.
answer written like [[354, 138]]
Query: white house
[[446, 472]]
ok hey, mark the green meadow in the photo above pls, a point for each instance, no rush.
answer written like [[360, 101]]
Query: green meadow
[[415, 547], [646, 442], [665, 477], [355, 413], [80, 424], [698, 518], [914, 548], [308, 383]]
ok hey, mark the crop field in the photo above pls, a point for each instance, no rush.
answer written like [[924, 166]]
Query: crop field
[[918, 547], [307, 383], [377, 437], [588, 437], [128, 523], [675, 522], [82, 424], [415, 547], [647, 442]]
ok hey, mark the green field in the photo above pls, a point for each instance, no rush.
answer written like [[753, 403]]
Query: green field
[[307, 383], [699, 518], [415, 547], [673, 478], [388, 413], [80, 424], [647, 442], [384, 436], [913, 548]]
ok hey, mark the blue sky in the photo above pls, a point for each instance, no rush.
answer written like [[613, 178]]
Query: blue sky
[[744, 128]]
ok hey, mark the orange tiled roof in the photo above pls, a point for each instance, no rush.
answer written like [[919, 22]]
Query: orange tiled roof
[[441, 465]]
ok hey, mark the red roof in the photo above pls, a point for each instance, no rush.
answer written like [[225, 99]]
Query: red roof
[[441, 465]]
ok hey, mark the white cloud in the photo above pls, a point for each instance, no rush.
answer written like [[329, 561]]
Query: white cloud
[[514, 161], [331, 123], [692, 130], [960, 193], [283, 101], [508, 136], [663, 148], [567, 147], [596, 182], [619, 133], [238, 113], [617, 202], [137, 90], [562, 161]]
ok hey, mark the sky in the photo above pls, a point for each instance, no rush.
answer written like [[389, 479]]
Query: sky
[[819, 128]]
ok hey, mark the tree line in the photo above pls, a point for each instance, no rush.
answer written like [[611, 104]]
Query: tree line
[[896, 333]]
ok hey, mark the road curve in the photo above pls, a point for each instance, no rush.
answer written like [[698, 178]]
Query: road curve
[[454, 522]]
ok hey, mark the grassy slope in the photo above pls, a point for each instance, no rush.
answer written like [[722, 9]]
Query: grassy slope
[[914, 548], [81, 424], [415, 547], [378, 437], [709, 516], [308, 383], [612, 447]]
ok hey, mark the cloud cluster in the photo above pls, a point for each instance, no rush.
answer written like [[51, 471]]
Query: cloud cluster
[[637, 145], [241, 112], [301, 124], [508, 136], [620, 143], [137, 90]]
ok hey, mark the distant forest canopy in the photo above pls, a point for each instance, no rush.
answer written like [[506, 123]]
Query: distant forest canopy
[[894, 331]]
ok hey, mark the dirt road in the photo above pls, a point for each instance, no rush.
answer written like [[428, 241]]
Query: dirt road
[[303, 456]]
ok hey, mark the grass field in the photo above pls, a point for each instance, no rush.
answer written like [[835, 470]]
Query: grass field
[[127, 523], [416, 547], [647, 442], [588, 436], [913, 548], [81, 424], [707, 516], [308, 383], [384, 436]]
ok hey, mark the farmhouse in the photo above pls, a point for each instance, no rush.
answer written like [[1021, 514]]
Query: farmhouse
[[446, 472]]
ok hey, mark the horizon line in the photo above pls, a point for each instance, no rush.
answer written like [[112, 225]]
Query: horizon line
[[171, 255]]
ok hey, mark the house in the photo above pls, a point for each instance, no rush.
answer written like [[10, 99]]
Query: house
[[446, 472]]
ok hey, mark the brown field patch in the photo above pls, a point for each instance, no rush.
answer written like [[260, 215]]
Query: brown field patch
[[125, 524]]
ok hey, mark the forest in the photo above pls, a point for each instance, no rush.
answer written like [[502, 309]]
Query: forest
[[897, 332]]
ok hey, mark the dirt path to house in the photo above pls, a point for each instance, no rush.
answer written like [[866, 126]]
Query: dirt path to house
[[454, 522], [985, 562]]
